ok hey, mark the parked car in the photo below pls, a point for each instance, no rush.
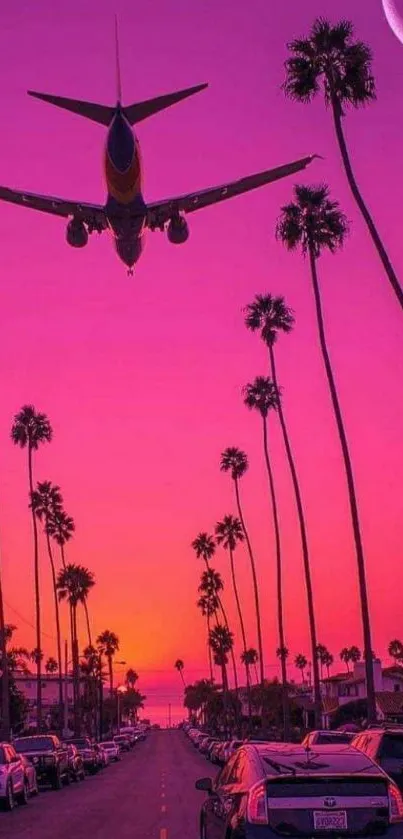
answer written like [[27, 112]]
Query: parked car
[[204, 744], [76, 763], [215, 751], [123, 742], [103, 756], [275, 789], [229, 748], [13, 780], [112, 750], [210, 748], [90, 757], [323, 738], [49, 757], [385, 746]]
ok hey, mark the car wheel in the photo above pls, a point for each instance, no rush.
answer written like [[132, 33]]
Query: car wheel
[[202, 829], [9, 799], [23, 797], [57, 781]]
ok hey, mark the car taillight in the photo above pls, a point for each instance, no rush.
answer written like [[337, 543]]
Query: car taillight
[[395, 804], [257, 805]]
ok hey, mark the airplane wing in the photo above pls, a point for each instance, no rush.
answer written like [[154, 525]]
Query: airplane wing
[[92, 214], [160, 212]]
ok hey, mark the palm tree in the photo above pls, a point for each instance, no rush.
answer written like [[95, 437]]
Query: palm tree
[[208, 606], [262, 396], [108, 645], [345, 656], [29, 430], [270, 315], [204, 547], [211, 584], [179, 665], [73, 584], [235, 462], [331, 60], [315, 223], [61, 528], [328, 660], [46, 501], [355, 654], [301, 662], [321, 653], [395, 650], [5, 635], [131, 678], [222, 642], [51, 666], [250, 658]]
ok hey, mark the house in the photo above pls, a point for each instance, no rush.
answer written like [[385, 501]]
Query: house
[[343, 688], [26, 683]]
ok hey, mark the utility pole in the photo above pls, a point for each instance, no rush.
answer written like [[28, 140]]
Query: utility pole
[[101, 698], [66, 691], [169, 715], [5, 682]]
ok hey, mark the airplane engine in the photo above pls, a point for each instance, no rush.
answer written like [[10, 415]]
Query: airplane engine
[[178, 230], [76, 234]]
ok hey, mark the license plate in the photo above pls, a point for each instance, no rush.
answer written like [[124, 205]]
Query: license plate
[[322, 820]]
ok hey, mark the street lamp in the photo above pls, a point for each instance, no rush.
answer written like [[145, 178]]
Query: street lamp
[[119, 690]]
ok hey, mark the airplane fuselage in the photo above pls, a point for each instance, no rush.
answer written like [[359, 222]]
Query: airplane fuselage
[[125, 205]]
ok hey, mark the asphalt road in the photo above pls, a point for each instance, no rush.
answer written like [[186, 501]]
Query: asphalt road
[[150, 794]]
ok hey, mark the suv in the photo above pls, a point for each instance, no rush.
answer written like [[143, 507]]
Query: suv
[[278, 790], [48, 755], [91, 759], [385, 746], [13, 783]]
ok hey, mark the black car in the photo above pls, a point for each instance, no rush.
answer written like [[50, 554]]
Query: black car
[[91, 760], [385, 746], [76, 763], [277, 790], [48, 755]]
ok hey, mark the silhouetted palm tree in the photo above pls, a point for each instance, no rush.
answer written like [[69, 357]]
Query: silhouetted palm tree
[[108, 645], [222, 642], [250, 658], [211, 584], [179, 665], [73, 584], [29, 430], [262, 396], [315, 223], [235, 462], [395, 650], [321, 653], [332, 61], [328, 660], [301, 663], [208, 606], [61, 529], [355, 654], [229, 533], [51, 665], [131, 678], [204, 547], [46, 501], [345, 656], [270, 315]]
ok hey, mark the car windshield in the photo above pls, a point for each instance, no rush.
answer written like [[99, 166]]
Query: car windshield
[[109, 745], [392, 746], [34, 744], [81, 744]]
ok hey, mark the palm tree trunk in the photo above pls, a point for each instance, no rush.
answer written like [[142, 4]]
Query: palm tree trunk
[[242, 625], [232, 649], [280, 617], [351, 493], [37, 600], [337, 116], [5, 682], [256, 675], [62, 554], [58, 634], [254, 577], [76, 672], [304, 544], [87, 618], [210, 657], [110, 667]]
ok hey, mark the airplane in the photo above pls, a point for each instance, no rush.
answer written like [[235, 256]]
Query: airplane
[[126, 213]]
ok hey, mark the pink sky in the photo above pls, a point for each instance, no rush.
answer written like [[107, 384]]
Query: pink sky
[[141, 377]]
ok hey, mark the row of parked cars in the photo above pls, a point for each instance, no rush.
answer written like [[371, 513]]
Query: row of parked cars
[[29, 762], [336, 784]]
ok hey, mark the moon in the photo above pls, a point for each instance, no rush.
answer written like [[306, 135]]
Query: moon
[[394, 19]]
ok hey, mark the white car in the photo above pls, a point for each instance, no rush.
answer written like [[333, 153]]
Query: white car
[[112, 750], [13, 781]]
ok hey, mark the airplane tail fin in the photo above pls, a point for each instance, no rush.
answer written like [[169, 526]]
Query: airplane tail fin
[[103, 114]]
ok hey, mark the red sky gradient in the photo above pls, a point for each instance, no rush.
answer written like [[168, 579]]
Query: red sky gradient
[[141, 376]]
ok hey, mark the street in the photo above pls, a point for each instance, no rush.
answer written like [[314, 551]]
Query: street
[[150, 794]]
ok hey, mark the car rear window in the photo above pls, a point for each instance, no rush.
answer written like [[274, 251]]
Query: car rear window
[[319, 760], [392, 746], [322, 739], [34, 744], [319, 787]]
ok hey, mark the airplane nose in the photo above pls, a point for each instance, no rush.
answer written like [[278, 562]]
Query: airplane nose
[[120, 145]]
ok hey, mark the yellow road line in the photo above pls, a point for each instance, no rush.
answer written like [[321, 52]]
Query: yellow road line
[[163, 808]]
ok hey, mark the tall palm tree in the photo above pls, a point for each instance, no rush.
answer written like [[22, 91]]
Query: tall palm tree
[[262, 396], [395, 650], [328, 660], [301, 663], [131, 678], [61, 528], [73, 584], [345, 656], [108, 645], [5, 635], [211, 584], [179, 666], [250, 658], [208, 606], [321, 654], [46, 501], [355, 654], [315, 223], [222, 642], [229, 533], [29, 430], [332, 61], [51, 666], [270, 315], [204, 547], [235, 461]]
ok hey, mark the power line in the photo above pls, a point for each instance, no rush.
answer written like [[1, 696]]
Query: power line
[[25, 620]]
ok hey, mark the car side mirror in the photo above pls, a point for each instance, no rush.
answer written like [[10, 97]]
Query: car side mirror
[[205, 785]]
